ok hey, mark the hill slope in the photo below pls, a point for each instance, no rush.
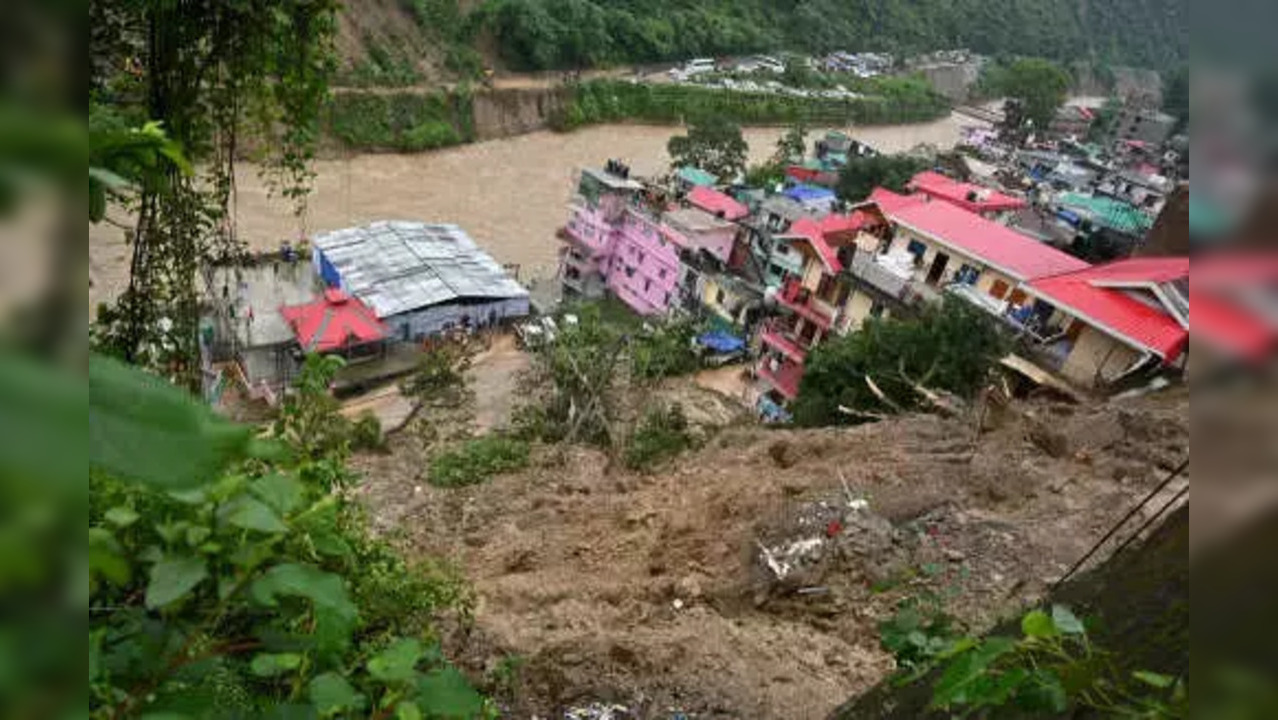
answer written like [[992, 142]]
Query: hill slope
[[536, 34]]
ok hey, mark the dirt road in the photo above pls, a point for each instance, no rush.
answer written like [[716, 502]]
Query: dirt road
[[509, 194]]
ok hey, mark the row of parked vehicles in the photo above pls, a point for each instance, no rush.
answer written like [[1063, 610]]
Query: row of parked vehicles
[[702, 66]]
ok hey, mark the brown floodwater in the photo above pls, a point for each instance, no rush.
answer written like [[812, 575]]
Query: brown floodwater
[[510, 194]]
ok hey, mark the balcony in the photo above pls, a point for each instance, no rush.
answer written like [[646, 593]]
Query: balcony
[[804, 302], [866, 266], [773, 336], [783, 375]]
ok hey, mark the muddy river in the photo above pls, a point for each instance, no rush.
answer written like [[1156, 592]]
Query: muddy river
[[509, 194]]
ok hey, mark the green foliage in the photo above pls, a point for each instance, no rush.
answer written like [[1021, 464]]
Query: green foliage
[[918, 635], [1053, 668], [861, 175], [545, 34], [408, 121], [950, 347], [251, 589], [477, 460], [1176, 96], [570, 387], [665, 351], [766, 175], [887, 100], [793, 145], [713, 144], [1038, 86], [660, 435]]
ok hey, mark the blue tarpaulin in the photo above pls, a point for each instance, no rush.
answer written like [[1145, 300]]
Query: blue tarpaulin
[[721, 342], [801, 193]]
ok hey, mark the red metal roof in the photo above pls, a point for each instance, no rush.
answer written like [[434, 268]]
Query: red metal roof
[[1135, 271], [1144, 325], [715, 202], [810, 230], [1231, 329], [332, 322], [975, 198], [890, 202], [996, 245]]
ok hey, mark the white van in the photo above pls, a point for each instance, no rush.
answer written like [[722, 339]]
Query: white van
[[696, 66]]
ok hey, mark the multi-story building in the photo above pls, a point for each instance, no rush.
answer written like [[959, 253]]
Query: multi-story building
[[983, 201], [614, 244]]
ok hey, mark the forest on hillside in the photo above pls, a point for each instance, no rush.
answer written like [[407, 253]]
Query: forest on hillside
[[544, 34]]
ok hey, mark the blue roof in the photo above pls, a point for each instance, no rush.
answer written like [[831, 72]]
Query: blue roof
[[808, 192], [722, 342]]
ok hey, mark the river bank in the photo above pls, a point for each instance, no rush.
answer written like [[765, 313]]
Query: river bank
[[508, 194]]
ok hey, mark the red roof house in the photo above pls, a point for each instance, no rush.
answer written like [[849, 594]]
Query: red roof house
[[890, 201], [333, 322], [973, 198], [1019, 257], [1106, 298], [717, 203]]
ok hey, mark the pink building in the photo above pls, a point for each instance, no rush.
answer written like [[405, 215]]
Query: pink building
[[695, 230], [612, 245]]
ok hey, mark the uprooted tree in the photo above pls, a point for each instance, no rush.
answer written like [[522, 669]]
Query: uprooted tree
[[896, 365]]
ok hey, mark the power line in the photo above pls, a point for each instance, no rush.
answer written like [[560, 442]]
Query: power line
[[1130, 514]]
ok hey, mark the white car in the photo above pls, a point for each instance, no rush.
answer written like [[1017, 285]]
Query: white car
[[698, 66]]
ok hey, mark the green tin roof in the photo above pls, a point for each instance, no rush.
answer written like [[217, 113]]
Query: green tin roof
[[696, 176], [1108, 212]]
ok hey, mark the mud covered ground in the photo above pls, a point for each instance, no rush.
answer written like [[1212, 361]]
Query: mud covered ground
[[597, 585]]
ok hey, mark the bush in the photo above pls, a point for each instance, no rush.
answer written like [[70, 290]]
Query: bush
[[478, 460], [408, 121], [951, 347], [665, 352], [366, 432], [662, 434]]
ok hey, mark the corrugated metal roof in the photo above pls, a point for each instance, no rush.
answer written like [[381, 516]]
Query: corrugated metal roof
[[396, 267]]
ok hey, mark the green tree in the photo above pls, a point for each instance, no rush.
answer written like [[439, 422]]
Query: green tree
[[1176, 96], [713, 144], [1039, 87], [862, 174], [793, 145], [207, 73], [950, 347]]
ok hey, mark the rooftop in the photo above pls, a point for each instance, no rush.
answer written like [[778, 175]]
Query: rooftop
[[1089, 295], [889, 201], [694, 220], [996, 245], [332, 322], [715, 202], [696, 176], [613, 181], [976, 198], [400, 266], [1108, 212]]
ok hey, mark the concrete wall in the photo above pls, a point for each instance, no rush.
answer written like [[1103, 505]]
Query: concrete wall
[[1095, 351], [514, 111], [415, 325], [856, 310]]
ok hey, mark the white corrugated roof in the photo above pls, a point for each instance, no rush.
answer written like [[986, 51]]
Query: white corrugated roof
[[397, 266]]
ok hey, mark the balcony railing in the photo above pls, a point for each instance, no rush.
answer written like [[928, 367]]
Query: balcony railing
[[865, 266], [783, 375], [773, 336], [803, 301]]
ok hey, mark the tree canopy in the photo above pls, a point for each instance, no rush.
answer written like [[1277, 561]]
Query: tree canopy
[[951, 347], [712, 144], [1038, 87], [862, 174], [543, 34]]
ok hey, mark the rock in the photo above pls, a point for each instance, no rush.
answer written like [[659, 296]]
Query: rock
[[1050, 441], [782, 454], [954, 555], [520, 561], [688, 587]]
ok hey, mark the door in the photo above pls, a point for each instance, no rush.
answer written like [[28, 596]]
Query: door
[[938, 268]]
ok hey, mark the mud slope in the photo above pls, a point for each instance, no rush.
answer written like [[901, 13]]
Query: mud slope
[[649, 590]]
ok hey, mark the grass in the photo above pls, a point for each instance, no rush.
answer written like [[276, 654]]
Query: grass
[[478, 460]]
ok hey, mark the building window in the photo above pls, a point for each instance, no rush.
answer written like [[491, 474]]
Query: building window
[[647, 285], [917, 249], [999, 289], [661, 273], [876, 309], [967, 274]]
